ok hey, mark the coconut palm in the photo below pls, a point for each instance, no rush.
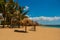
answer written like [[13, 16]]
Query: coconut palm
[[6, 9], [9, 8], [14, 10], [3, 10]]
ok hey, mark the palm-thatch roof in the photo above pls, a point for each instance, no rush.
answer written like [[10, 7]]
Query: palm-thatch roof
[[29, 22]]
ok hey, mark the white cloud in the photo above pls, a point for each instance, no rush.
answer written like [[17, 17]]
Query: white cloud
[[27, 15], [45, 18], [26, 8]]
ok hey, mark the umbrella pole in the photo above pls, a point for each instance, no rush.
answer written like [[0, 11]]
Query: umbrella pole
[[25, 28], [34, 28]]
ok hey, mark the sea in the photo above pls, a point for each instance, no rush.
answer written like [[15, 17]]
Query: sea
[[52, 26]]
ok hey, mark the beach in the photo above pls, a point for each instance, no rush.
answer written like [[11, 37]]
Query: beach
[[41, 33]]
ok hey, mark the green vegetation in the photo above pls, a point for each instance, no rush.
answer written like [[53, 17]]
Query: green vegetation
[[10, 10]]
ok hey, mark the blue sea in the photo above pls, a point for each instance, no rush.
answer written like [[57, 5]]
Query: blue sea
[[52, 26]]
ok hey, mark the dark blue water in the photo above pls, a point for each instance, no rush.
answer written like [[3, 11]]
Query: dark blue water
[[53, 26]]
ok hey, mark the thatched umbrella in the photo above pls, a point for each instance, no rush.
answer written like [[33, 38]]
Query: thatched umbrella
[[26, 21]]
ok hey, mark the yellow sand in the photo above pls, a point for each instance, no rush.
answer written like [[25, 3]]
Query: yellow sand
[[41, 33]]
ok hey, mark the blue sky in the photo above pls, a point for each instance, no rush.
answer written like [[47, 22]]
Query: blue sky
[[46, 8]]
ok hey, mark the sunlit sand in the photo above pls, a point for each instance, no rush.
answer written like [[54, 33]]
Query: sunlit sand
[[41, 33]]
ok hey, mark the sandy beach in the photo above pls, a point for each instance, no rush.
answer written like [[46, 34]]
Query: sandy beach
[[41, 33]]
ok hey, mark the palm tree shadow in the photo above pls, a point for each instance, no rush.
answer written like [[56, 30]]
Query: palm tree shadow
[[21, 31]]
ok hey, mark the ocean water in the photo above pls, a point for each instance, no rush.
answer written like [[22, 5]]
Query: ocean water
[[53, 26]]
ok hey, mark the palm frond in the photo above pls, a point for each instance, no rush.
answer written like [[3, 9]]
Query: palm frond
[[25, 13]]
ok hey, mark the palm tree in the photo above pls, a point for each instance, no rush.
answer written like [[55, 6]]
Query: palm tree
[[8, 9], [10, 6], [2, 4]]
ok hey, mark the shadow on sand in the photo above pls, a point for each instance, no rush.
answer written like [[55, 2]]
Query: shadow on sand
[[21, 31]]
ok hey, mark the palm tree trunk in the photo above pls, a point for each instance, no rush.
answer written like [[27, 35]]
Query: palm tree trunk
[[4, 12], [4, 18], [3, 23], [3, 26]]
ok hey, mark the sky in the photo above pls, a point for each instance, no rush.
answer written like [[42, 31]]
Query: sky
[[46, 12]]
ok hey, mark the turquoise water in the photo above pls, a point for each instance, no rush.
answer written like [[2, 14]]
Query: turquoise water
[[53, 26]]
